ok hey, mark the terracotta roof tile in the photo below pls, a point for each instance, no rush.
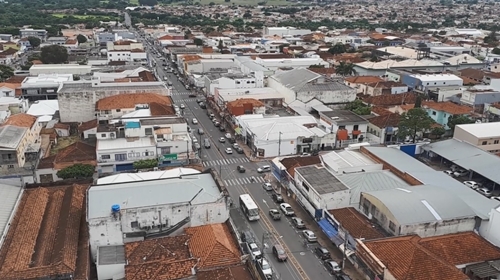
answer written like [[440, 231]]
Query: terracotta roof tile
[[77, 152], [15, 80], [356, 224], [448, 107], [87, 125], [407, 261], [380, 111], [469, 81], [122, 101], [21, 120], [323, 71], [363, 79], [243, 101], [474, 74], [62, 126], [385, 84], [239, 272], [160, 270], [389, 120], [291, 163], [158, 109], [213, 245], [10, 85], [390, 99], [44, 235]]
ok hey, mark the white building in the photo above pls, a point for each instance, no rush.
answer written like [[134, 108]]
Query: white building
[[248, 66], [43, 86], [130, 207], [73, 69], [126, 55], [278, 136], [435, 80], [485, 136], [304, 85], [276, 63], [282, 31], [269, 96], [229, 80], [349, 127], [492, 229], [207, 65]]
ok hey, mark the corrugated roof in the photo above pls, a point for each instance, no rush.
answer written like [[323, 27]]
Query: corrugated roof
[[422, 204], [10, 195], [296, 78]]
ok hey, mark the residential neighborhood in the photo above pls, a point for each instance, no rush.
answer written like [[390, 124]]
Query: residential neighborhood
[[222, 141]]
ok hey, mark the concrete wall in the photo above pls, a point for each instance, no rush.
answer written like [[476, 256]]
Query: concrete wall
[[138, 154], [490, 230], [440, 228], [328, 97], [110, 271], [289, 94], [327, 201]]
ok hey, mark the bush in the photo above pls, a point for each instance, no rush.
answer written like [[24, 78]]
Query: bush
[[145, 163], [76, 171]]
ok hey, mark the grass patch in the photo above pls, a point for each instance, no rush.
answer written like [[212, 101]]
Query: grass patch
[[63, 142], [134, 2], [103, 18]]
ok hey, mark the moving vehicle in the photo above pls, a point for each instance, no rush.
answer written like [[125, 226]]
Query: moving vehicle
[[265, 168], [206, 143], [275, 214], [239, 150], [332, 266], [298, 223], [194, 121], [249, 207], [192, 95], [222, 140], [279, 253], [241, 169], [309, 235], [201, 131], [267, 186], [182, 106], [202, 105], [322, 253], [287, 209], [229, 151]]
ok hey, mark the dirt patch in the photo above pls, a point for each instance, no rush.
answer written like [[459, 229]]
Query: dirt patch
[[63, 142]]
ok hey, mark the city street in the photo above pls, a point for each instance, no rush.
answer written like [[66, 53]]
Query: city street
[[302, 263]]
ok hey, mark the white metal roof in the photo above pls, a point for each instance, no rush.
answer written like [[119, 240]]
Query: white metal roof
[[144, 176], [482, 130], [339, 161], [437, 77], [123, 143], [9, 195], [43, 108]]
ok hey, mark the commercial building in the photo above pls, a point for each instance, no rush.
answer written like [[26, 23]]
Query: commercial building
[[30, 32], [230, 80], [269, 96], [43, 86], [60, 69], [348, 127], [283, 31], [485, 136]]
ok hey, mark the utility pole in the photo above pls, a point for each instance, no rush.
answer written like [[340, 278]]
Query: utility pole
[[187, 150], [345, 248], [279, 144]]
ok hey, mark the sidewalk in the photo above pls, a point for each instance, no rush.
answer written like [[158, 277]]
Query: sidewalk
[[322, 238]]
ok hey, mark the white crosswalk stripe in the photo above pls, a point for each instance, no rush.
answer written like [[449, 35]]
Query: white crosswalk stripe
[[228, 161], [243, 181]]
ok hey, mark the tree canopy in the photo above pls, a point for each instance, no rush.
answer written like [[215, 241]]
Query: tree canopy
[[76, 171], [345, 69], [145, 163], [81, 39], [455, 120], [414, 122], [5, 72], [358, 107], [54, 54], [337, 49], [34, 41]]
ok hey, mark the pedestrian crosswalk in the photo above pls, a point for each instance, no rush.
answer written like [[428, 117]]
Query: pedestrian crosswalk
[[186, 100], [226, 161], [243, 181], [181, 92]]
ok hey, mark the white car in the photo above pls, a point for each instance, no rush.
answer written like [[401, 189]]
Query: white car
[[182, 106], [309, 235], [287, 209], [236, 146], [460, 173], [229, 151], [332, 266], [255, 250], [471, 184], [195, 121], [484, 191], [448, 172], [228, 135], [222, 140], [265, 267]]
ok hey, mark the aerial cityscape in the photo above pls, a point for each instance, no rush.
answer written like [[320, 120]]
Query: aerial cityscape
[[249, 140]]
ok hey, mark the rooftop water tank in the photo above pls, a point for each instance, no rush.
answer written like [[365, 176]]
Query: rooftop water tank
[[115, 208]]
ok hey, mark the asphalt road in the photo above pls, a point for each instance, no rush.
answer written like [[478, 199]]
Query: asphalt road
[[302, 263]]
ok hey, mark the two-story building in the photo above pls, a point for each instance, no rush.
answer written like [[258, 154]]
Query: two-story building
[[228, 80], [360, 82], [304, 85], [348, 127], [424, 82], [485, 136], [43, 86], [440, 112], [30, 32], [386, 87]]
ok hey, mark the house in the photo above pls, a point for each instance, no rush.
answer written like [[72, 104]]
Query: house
[[475, 75], [30, 32], [88, 129], [10, 89], [243, 106], [458, 256], [152, 204], [19, 145], [440, 112], [76, 153], [209, 252], [77, 100], [57, 40], [11, 106], [425, 82], [304, 85], [134, 55], [63, 251], [386, 40], [43, 86], [383, 128], [71, 44], [386, 87], [280, 136], [360, 83], [348, 127], [485, 136], [269, 96]]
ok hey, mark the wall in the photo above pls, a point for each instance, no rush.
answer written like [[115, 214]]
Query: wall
[[119, 56], [490, 230], [398, 90], [104, 231], [286, 92], [465, 136], [440, 228], [111, 161], [328, 97], [288, 147], [328, 201], [110, 271], [47, 171]]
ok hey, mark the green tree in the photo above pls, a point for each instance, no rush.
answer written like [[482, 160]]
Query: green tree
[[358, 107], [34, 41], [418, 102], [145, 163], [455, 120], [5, 72], [413, 122], [337, 49], [495, 51], [491, 39], [345, 69], [221, 45], [81, 39], [54, 54], [198, 41], [438, 131], [76, 171]]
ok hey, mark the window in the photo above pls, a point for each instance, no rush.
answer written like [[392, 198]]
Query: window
[[120, 157], [118, 110], [148, 131], [106, 157], [148, 154], [433, 113], [304, 185], [495, 142], [134, 224], [484, 143], [356, 127], [103, 135], [165, 150], [342, 127], [392, 226]]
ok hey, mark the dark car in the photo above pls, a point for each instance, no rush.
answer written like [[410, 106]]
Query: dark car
[[240, 169], [277, 197], [193, 95], [202, 105], [322, 253], [232, 141], [279, 253], [222, 128], [247, 236], [239, 150], [342, 276], [199, 100]]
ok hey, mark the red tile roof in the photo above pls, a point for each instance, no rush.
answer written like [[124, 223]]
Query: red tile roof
[[291, 163], [388, 120], [77, 152], [390, 99], [213, 245], [45, 235], [87, 125], [21, 120], [448, 107], [239, 272], [123, 101], [356, 224], [363, 79]]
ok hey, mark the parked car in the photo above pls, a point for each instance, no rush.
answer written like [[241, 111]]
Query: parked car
[[309, 235], [448, 172], [496, 198], [267, 186], [265, 168], [197, 146], [298, 223], [460, 173], [235, 145], [255, 250], [287, 209], [264, 266], [228, 135], [198, 100], [193, 95], [277, 197], [194, 121], [229, 151], [222, 128], [484, 191], [472, 184], [201, 131], [240, 169], [322, 253], [182, 106], [247, 236], [217, 124], [279, 253], [342, 276], [332, 266], [275, 214], [222, 140], [239, 150], [232, 141], [202, 105]]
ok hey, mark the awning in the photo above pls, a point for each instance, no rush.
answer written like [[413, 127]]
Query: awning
[[330, 231], [237, 130]]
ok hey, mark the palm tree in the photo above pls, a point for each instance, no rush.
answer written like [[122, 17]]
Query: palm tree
[[345, 69]]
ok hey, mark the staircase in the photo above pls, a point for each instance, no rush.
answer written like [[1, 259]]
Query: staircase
[[169, 230]]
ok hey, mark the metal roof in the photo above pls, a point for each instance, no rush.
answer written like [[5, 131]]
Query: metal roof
[[467, 156], [10, 195], [425, 174], [111, 255], [296, 78], [194, 189], [11, 136], [144, 176], [320, 179], [422, 204], [482, 130]]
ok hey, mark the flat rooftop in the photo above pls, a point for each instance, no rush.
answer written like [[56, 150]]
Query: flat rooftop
[[320, 179], [482, 130], [344, 117], [10, 136]]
